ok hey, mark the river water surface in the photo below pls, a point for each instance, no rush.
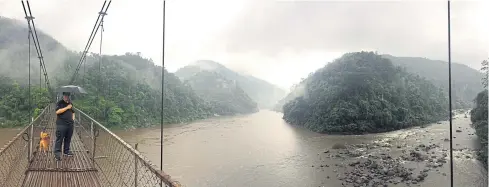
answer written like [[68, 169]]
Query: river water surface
[[262, 150]]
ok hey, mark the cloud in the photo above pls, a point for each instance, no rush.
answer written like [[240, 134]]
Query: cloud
[[130, 26], [279, 41], [416, 28]]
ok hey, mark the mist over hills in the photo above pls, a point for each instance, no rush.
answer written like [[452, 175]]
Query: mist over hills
[[123, 79], [14, 51], [127, 87], [262, 92], [466, 82], [222, 95], [124, 92]]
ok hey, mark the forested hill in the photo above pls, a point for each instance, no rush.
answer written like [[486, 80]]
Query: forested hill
[[262, 92], [14, 51], [127, 92], [224, 96], [478, 115], [121, 96], [363, 92], [465, 80]]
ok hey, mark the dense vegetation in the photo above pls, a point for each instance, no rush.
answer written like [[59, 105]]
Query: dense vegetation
[[223, 96], [364, 92], [478, 116], [14, 102], [262, 92], [127, 92], [465, 82], [120, 96]]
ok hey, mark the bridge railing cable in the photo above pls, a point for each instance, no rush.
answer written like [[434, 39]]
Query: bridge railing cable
[[17, 153], [96, 26], [118, 163]]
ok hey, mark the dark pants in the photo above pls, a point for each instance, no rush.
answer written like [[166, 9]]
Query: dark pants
[[63, 134]]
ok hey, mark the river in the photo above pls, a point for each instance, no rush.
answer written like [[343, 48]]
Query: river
[[262, 150]]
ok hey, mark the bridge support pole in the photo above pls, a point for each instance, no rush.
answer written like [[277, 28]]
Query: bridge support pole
[[94, 138], [79, 120], [31, 137], [136, 167]]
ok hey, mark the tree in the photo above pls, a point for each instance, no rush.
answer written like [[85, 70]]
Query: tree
[[479, 117], [14, 102], [485, 71]]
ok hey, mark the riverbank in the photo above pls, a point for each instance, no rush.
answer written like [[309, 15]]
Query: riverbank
[[408, 157]]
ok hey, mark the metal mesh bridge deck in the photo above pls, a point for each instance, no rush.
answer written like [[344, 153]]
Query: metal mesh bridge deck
[[100, 158]]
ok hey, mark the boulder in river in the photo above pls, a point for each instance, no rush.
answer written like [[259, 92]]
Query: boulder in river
[[339, 146]]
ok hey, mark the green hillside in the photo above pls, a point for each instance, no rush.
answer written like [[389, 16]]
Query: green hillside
[[364, 92]]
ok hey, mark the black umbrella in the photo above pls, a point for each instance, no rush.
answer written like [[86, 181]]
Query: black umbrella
[[71, 89]]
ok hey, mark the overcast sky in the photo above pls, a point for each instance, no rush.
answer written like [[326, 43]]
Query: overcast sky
[[279, 41]]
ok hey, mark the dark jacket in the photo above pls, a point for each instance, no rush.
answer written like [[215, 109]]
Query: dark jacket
[[65, 118]]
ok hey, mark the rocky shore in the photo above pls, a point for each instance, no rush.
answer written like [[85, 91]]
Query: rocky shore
[[396, 161]]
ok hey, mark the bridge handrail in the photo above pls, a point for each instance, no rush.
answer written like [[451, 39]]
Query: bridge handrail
[[165, 178], [23, 131], [12, 155]]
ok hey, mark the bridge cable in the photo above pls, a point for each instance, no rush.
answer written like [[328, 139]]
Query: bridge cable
[[101, 85], [90, 39], [29, 59], [35, 40], [450, 94], [100, 17], [162, 91], [38, 43]]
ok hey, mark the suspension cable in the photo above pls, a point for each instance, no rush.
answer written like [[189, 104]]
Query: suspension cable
[[450, 94], [162, 91], [35, 39], [100, 58], [29, 59], [100, 17], [101, 85]]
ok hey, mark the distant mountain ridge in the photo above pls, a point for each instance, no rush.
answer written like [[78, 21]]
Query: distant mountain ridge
[[223, 96], [466, 82], [263, 93]]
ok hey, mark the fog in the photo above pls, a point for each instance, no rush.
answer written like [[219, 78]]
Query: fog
[[293, 38]]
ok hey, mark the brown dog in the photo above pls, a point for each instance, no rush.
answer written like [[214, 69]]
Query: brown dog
[[44, 143]]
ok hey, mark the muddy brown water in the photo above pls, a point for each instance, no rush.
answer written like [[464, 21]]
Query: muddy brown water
[[262, 150]]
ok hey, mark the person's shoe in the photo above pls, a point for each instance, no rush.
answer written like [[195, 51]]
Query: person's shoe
[[69, 153], [57, 158]]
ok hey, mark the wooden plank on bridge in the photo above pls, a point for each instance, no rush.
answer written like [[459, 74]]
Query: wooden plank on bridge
[[61, 179], [76, 171]]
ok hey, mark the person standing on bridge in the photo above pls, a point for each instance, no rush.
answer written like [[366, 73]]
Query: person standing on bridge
[[64, 126]]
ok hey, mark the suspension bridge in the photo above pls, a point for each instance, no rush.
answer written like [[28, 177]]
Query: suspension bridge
[[101, 158]]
